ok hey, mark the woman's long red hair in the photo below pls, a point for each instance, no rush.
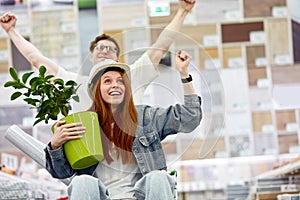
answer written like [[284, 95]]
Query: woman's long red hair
[[124, 120]]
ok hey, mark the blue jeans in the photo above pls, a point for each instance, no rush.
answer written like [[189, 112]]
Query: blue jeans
[[158, 185]]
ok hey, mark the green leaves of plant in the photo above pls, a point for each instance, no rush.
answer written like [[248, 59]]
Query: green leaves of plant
[[13, 73], [75, 98], [15, 95], [26, 76], [16, 83], [50, 97], [42, 71]]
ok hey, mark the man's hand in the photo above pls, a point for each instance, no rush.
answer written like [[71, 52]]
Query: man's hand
[[187, 5], [8, 21]]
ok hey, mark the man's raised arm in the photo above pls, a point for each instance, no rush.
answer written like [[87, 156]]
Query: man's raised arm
[[28, 50], [168, 35]]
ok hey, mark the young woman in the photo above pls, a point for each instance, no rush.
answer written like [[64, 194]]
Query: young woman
[[134, 166]]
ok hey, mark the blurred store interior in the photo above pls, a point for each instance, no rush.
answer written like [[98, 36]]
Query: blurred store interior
[[246, 67]]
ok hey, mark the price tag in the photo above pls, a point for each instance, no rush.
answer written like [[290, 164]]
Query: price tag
[[235, 62], [268, 128], [10, 161], [283, 59], [291, 126], [290, 188], [138, 22], [233, 14], [257, 37], [263, 83], [211, 40], [221, 154], [239, 106], [265, 105], [294, 149], [271, 151], [3, 55], [70, 50], [245, 152], [261, 62], [279, 11], [68, 27], [213, 63]]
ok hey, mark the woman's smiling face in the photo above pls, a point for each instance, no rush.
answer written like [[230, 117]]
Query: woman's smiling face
[[112, 88]]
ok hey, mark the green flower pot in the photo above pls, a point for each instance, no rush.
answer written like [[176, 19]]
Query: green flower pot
[[86, 151]]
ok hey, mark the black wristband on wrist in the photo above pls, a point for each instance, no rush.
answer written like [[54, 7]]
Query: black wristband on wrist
[[186, 80], [49, 145]]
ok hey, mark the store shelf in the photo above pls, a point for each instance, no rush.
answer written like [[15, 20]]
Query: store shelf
[[237, 72], [203, 34], [15, 187], [280, 74], [288, 143], [244, 30], [290, 168], [51, 27], [279, 41], [257, 8], [256, 56]]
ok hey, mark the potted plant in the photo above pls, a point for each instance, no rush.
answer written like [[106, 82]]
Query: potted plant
[[51, 97]]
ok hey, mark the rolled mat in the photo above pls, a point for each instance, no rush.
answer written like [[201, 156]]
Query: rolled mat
[[29, 145]]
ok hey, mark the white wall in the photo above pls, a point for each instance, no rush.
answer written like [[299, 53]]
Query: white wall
[[294, 6]]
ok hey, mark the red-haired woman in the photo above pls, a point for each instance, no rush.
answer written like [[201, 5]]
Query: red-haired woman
[[134, 166]]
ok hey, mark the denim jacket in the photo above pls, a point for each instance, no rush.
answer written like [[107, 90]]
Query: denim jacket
[[154, 125]]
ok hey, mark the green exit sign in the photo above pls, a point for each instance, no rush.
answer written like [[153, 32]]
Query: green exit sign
[[158, 9]]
